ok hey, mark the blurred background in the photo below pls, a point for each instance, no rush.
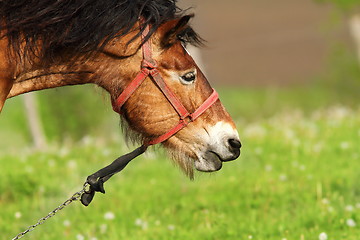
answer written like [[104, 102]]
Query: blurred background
[[288, 72], [268, 43]]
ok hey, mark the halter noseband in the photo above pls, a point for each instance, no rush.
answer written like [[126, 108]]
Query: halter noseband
[[149, 68]]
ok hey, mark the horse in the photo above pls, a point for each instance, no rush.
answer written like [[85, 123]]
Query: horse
[[52, 43]]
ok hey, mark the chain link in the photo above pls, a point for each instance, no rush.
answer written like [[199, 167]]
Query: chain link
[[76, 196]]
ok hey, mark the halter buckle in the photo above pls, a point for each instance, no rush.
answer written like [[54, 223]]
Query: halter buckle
[[152, 64]]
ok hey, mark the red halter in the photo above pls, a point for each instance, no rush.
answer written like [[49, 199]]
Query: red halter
[[149, 68]]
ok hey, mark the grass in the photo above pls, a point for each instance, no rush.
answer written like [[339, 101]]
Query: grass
[[297, 178]]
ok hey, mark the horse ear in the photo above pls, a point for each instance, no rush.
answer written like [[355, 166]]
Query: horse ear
[[172, 29]]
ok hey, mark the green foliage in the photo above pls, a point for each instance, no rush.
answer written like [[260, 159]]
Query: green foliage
[[13, 185], [72, 111], [343, 4], [68, 113], [343, 76]]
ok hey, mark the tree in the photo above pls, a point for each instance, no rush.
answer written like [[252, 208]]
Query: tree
[[33, 118], [355, 31]]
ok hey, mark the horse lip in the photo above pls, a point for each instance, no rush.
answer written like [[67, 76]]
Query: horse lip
[[236, 155], [217, 155], [208, 163]]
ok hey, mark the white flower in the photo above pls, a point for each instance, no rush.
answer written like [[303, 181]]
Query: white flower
[[349, 208], [350, 222], [109, 216], [323, 236], [325, 201], [338, 113], [141, 223], [344, 145], [18, 215], [283, 177], [171, 227], [72, 164], [87, 140], [250, 237], [67, 223], [138, 222], [80, 237], [268, 168]]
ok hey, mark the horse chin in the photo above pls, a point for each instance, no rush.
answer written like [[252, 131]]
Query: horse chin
[[209, 162]]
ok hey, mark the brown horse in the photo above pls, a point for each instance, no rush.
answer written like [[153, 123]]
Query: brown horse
[[60, 45]]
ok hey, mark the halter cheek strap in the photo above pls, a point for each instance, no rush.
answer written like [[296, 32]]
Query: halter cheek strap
[[149, 68]]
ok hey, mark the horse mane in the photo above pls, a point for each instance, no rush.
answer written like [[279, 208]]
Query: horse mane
[[52, 28]]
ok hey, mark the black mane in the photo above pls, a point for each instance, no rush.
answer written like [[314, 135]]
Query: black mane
[[76, 26]]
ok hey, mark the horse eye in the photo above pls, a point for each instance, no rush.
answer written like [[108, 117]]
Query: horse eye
[[188, 77]]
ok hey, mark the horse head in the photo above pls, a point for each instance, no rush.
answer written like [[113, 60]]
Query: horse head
[[206, 142]]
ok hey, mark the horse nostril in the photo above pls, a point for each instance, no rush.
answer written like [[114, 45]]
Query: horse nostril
[[234, 143]]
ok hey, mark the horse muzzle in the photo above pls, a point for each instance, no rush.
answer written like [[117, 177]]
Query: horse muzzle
[[223, 146]]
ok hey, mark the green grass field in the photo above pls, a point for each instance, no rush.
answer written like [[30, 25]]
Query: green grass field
[[297, 178]]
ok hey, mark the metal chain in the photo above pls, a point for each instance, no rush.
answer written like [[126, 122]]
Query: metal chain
[[76, 196]]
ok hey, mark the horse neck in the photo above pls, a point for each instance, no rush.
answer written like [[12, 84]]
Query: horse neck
[[102, 70], [108, 69], [37, 78]]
